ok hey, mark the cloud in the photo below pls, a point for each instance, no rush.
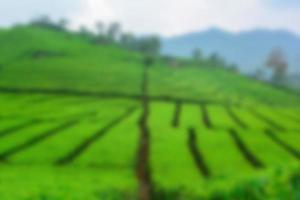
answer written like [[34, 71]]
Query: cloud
[[92, 11], [16, 11], [177, 16], [284, 3], [162, 16]]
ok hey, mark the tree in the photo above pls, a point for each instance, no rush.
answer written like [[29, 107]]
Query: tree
[[150, 45], [277, 62], [234, 68], [42, 21], [128, 41], [100, 38], [85, 32], [63, 23], [100, 28], [113, 31], [171, 60], [259, 74], [45, 22], [216, 60], [197, 55]]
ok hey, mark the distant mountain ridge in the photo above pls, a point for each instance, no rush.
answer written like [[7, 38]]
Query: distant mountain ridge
[[249, 50]]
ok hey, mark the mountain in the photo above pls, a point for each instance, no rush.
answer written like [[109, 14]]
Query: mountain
[[248, 50]]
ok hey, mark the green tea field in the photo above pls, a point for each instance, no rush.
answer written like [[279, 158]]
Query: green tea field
[[80, 121]]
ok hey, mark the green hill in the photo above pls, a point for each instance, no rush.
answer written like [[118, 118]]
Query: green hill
[[45, 59], [33, 57], [86, 121]]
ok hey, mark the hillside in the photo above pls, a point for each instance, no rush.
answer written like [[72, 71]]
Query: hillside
[[248, 50], [49, 60], [88, 121], [33, 57]]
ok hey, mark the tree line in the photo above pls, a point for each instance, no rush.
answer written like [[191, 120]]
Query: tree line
[[106, 35], [112, 34], [276, 63]]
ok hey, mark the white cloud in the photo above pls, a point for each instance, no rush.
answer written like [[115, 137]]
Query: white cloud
[[161, 16], [178, 16], [16, 11], [91, 11]]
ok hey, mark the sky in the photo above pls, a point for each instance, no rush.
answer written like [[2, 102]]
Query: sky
[[164, 17]]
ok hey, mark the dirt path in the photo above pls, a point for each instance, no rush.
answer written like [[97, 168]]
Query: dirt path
[[281, 143], [205, 116], [268, 121], [82, 147], [197, 155], [108, 95], [35, 140], [15, 129], [248, 155], [143, 171], [177, 113], [236, 118]]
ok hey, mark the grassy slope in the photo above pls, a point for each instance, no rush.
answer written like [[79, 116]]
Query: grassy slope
[[215, 84], [81, 66], [86, 67]]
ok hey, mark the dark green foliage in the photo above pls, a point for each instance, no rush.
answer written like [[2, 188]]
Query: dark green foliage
[[113, 32], [45, 22], [278, 185], [129, 41], [277, 62], [197, 55], [217, 60], [149, 46]]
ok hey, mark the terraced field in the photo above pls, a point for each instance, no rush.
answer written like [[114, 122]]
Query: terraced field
[[164, 134], [91, 143]]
